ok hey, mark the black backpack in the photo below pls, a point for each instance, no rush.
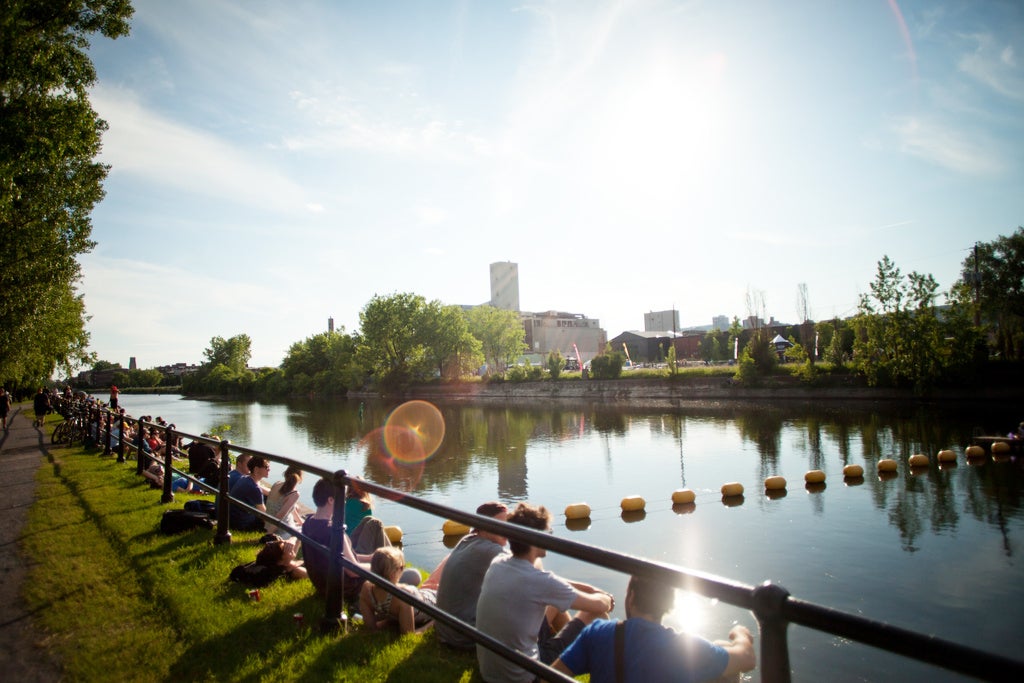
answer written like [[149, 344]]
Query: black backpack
[[177, 521], [255, 575]]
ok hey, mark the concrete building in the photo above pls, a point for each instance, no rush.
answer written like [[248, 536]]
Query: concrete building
[[659, 321], [505, 285], [649, 346], [558, 331], [720, 323]]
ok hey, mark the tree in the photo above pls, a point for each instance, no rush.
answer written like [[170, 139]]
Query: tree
[[803, 311], [450, 347], [324, 363], [992, 284], [899, 338], [555, 362], [391, 347], [501, 334], [608, 365], [233, 353], [49, 179]]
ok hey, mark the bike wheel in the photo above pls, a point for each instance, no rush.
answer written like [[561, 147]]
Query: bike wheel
[[60, 433]]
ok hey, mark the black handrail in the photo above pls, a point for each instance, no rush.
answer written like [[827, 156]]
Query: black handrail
[[772, 605]]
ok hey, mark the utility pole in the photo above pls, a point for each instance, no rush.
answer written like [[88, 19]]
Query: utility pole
[[977, 289]]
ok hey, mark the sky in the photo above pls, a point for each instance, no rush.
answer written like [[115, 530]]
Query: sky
[[275, 164]]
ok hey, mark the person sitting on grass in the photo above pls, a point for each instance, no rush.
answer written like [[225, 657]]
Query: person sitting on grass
[[283, 502], [280, 556], [380, 607], [652, 652], [248, 491], [155, 474]]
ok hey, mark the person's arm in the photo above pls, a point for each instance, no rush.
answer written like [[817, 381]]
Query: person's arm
[[287, 505], [740, 647], [366, 607], [596, 602], [405, 613], [560, 667]]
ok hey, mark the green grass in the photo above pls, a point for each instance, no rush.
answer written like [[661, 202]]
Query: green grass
[[122, 602]]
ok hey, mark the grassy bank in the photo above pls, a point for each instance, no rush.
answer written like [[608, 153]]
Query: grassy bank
[[123, 602]]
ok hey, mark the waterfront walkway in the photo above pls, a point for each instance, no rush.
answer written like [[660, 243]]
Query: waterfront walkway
[[24, 652]]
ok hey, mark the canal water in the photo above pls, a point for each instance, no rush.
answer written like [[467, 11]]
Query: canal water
[[936, 551]]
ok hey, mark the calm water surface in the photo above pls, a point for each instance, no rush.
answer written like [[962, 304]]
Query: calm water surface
[[937, 551]]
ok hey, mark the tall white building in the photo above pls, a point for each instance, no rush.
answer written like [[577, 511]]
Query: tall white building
[[661, 321], [720, 322], [505, 285]]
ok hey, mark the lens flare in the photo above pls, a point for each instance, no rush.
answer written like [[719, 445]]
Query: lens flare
[[385, 469], [414, 431]]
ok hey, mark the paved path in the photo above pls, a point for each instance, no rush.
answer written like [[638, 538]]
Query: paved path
[[24, 655]]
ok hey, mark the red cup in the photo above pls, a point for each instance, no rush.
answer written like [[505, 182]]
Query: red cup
[[254, 594]]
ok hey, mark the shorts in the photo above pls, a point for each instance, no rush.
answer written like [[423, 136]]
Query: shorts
[[551, 646]]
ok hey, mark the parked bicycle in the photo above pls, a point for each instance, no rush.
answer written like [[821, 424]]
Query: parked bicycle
[[72, 429]]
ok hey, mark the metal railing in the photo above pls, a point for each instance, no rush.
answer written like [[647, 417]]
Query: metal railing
[[772, 605]]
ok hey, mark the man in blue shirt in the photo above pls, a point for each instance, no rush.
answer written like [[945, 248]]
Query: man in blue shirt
[[247, 490], [653, 653]]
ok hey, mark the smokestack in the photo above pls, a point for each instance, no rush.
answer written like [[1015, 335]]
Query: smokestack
[[330, 324]]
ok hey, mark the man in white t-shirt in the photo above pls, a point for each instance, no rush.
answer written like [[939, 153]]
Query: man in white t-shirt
[[515, 596]]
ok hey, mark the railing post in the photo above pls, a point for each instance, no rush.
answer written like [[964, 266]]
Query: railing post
[[120, 437], [335, 617], [223, 504], [168, 496], [106, 442], [768, 601], [139, 466]]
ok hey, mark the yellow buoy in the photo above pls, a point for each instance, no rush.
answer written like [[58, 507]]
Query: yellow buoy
[[974, 451], [732, 489], [918, 460], [632, 503], [577, 511], [1000, 447], [453, 528], [814, 477], [394, 533], [774, 483], [683, 496], [887, 465], [946, 455], [853, 471]]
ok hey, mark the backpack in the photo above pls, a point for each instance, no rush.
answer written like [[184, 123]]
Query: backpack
[[204, 507], [255, 575], [177, 521]]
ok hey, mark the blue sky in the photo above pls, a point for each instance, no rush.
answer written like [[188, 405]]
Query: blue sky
[[274, 164]]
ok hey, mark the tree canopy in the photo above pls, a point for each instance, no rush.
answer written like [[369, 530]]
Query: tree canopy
[[995, 273], [49, 178]]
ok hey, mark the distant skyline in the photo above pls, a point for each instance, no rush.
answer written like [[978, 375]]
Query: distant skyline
[[274, 165]]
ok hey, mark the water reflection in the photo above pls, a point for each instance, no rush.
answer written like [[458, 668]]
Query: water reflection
[[887, 529]]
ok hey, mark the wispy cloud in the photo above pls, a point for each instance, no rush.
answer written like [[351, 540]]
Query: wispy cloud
[[952, 148], [995, 65], [170, 154]]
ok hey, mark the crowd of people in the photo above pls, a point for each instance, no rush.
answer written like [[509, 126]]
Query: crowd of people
[[497, 584]]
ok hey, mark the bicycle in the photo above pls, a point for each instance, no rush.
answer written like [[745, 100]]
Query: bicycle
[[70, 430]]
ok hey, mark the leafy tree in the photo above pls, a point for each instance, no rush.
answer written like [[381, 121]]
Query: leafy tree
[[735, 331], [49, 179], [555, 362], [996, 279], [450, 347], [607, 365], [900, 339], [670, 361], [391, 348], [501, 334], [101, 365], [324, 363], [233, 353]]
